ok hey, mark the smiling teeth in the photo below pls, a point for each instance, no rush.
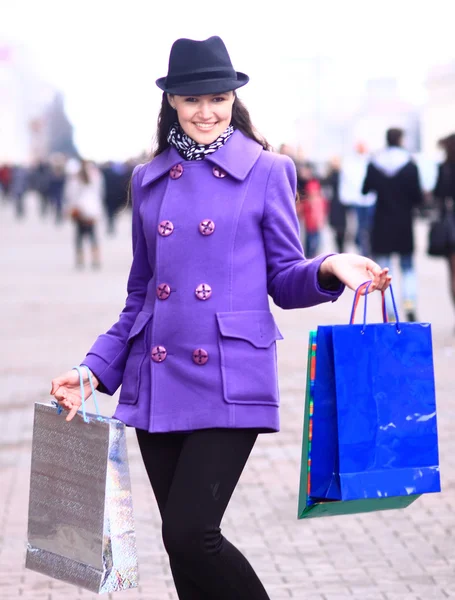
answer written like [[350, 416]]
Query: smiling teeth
[[205, 125]]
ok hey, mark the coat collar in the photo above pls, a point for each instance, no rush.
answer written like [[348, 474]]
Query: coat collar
[[237, 157]]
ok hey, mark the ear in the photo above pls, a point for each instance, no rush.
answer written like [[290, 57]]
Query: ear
[[170, 99]]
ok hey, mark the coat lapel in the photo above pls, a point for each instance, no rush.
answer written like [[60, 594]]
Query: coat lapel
[[237, 157], [160, 165]]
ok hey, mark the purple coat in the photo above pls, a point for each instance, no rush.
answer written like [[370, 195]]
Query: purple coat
[[194, 346]]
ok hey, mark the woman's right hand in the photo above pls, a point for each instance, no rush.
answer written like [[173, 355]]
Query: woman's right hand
[[66, 390]]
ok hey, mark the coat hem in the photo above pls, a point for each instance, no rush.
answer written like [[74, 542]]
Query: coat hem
[[266, 420]]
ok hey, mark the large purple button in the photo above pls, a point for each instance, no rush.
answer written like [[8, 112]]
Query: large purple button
[[176, 171], [219, 172], [163, 291], [159, 353], [203, 291], [206, 227], [165, 228], [200, 356]]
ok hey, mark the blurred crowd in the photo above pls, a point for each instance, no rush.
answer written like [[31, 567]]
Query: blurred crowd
[[78, 189], [371, 201]]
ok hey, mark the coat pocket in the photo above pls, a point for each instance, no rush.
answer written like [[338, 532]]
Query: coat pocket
[[131, 383], [248, 356]]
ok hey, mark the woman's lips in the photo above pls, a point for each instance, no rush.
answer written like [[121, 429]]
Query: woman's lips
[[204, 126]]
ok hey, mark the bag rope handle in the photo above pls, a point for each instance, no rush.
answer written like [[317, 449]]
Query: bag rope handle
[[364, 287], [83, 400]]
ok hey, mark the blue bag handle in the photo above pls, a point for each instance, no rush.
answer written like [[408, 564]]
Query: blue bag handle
[[92, 388], [365, 287]]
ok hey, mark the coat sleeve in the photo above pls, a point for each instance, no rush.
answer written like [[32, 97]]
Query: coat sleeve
[[107, 357], [415, 187], [292, 280], [369, 183]]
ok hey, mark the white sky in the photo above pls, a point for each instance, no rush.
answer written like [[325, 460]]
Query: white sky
[[106, 54]]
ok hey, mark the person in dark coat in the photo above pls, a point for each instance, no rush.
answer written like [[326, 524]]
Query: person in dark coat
[[39, 182], [444, 194], [394, 176], [337, 211], [56, 185], [116, 186], [20, 178]]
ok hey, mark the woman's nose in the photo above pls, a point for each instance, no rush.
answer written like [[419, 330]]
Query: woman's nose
[[205, 111]]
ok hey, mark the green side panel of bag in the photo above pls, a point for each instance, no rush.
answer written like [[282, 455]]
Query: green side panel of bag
[[351, 507], [303, 495]]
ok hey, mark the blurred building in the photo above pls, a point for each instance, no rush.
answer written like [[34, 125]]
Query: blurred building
[[438, 114], [321, 109], [381, 108], [32, 119], [23, 97], [331, 118], [59, 131]]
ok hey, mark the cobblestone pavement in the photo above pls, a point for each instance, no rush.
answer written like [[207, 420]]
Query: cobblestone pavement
[[50, 316]]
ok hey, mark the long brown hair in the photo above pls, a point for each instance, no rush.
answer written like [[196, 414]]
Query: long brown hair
[[241, 120]]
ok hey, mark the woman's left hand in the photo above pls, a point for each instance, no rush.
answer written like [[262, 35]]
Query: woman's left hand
[[353, 270]]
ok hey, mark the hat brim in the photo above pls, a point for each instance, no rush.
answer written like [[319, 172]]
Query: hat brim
[[206, 86]]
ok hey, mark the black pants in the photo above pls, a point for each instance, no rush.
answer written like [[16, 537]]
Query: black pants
[[193, 476], [85, 229]]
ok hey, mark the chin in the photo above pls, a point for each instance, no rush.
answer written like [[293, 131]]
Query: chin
[[205, 139]]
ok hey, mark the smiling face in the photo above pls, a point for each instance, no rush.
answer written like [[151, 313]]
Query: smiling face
[[203, 118]]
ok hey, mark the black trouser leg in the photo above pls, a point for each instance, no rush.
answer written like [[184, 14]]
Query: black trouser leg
[[206, 466], [160, 453]]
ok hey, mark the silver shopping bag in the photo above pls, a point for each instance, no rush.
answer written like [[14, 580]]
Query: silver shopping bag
[[80, 522]]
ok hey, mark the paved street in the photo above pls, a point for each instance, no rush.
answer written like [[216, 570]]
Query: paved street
[[50, 316]]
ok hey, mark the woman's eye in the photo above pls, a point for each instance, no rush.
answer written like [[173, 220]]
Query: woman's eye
[[219, 99], [190, 99]]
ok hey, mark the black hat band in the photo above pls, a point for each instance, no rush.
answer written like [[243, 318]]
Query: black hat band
[[202, 76]]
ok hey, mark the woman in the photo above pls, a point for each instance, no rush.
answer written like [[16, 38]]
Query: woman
[[83, 194], [214, 229], [444, 193]]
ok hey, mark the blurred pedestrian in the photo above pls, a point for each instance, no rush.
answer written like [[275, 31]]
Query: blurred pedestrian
[[444, 194], [337, 210], [214, 230], [312, 210], [116, 186], [352, 175], [394, 177], [83, 195], [305, 172], [57, 163], [19, 185], [39, 182], [5, 180], [287, 150]]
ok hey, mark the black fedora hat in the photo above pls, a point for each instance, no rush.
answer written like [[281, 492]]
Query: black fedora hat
[[200, 67]]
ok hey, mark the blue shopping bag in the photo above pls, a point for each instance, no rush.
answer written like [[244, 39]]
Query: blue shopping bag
[[374, 422]]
